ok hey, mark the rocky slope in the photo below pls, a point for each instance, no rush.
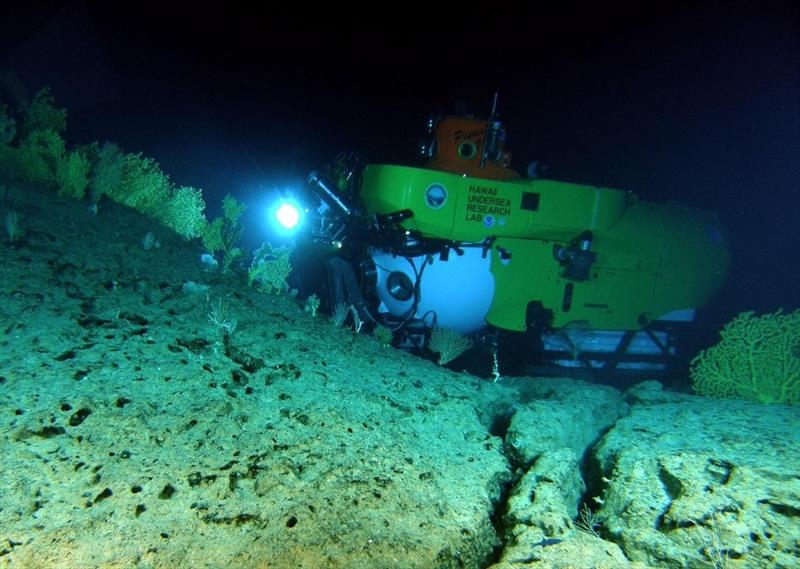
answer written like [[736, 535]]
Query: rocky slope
[[135, 432]]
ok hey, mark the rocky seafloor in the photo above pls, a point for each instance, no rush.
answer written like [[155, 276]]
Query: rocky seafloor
[[136, 433]]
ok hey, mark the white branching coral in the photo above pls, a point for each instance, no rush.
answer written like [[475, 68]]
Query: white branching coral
[[448, 343]]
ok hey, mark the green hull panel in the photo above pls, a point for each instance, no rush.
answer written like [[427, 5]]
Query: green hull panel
[[652, 258]]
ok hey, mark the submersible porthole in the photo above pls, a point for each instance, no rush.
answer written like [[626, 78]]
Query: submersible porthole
[[399, 286], [467, 150]]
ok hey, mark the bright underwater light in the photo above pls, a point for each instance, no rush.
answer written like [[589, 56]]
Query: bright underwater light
[[288, 215]]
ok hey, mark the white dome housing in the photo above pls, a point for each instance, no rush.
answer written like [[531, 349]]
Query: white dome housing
[[454, 294]]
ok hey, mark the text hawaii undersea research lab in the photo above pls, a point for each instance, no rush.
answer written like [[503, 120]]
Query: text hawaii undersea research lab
[[483, 201]]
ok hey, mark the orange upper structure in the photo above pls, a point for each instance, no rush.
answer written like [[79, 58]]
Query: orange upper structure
[[471, 147]]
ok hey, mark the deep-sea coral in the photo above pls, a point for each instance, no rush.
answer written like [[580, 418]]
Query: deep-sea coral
[[42, 114], [312, 304], [339, 315], [12, 226], [183, 212], [72, 174], [147, 189], [106, 176], [39, 156], [757, 358], [144, 186], [220, 236], [8, 126], [449, 344], [270, 268], [219, 316]]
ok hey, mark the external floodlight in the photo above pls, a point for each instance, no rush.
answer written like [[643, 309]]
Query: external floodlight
[[288, 215]]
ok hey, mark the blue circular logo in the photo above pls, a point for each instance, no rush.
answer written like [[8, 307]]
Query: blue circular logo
[[435, 196]]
